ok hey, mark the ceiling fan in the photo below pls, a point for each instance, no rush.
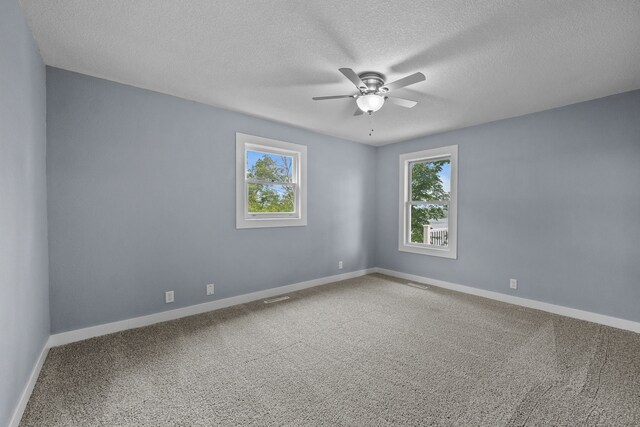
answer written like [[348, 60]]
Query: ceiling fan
[[372, 90]]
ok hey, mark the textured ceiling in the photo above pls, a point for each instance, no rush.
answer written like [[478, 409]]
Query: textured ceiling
[[484, 60]]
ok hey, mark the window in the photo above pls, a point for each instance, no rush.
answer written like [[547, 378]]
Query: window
[[428, 202], [270, 183]]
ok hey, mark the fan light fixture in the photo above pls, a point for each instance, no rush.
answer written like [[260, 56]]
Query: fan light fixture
[[370, 103], [372, 90]]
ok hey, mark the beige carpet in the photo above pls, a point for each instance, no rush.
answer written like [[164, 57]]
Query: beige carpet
[[364, 352]]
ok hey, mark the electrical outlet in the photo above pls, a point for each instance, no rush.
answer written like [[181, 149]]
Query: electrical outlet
[[210, 289], [168, 297], [513, 284], [339, 264]]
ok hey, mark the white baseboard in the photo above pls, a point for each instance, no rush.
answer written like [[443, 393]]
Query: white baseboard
[[137, 322], [26, 393], [524, 302]]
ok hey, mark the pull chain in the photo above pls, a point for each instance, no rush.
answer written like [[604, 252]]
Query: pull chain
[[371, 123]]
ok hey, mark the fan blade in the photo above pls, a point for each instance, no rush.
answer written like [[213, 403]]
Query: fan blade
[[321, 98], [406, 103], [406, 81], [351, 75], [358, 112]]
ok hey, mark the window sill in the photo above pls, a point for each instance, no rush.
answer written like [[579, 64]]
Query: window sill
[[270, 222], [431, 251]]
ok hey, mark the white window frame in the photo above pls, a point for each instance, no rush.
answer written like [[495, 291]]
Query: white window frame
[[298, 152], [404, 241]]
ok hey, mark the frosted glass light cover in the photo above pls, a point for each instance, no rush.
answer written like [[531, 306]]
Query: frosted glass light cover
[[370, 103]]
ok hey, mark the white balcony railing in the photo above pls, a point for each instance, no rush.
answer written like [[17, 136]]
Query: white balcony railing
[[436, 236]]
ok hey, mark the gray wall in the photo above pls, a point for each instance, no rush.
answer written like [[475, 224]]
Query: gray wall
[[552, 199], [24, 286], [142, 200]]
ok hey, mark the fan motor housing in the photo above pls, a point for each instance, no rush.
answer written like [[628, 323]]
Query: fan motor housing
[[373, 80]]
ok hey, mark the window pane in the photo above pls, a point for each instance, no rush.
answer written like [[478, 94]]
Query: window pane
[[271, 198], [430, 225], [430, 180], [269, 167]]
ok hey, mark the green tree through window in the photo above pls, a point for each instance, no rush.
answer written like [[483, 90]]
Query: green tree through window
[[273, 192], [427, 185]]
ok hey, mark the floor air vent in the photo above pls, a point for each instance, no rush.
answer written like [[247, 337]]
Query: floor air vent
[[417, 285], [278, 299]]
